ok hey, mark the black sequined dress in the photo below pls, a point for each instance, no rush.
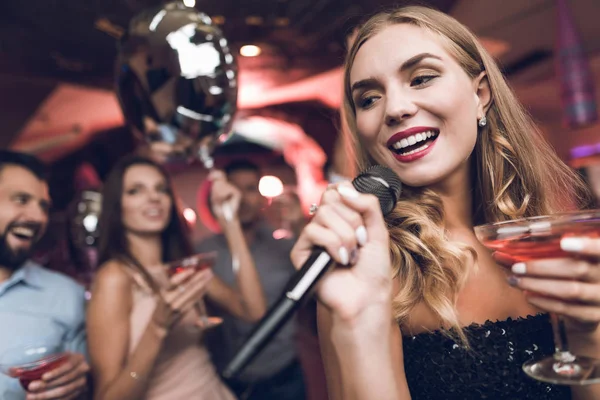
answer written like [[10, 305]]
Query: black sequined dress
[[439, 368]]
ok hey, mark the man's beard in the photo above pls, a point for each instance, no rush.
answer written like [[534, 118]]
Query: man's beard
[[11, 258]]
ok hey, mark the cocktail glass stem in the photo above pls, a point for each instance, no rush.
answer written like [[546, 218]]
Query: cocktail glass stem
[[565, 360]]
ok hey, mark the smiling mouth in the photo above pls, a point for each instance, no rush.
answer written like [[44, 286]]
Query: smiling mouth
[[24, 233], [153, 213], [414, 143]]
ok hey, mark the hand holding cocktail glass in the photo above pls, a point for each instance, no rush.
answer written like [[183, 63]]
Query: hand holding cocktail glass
[[45, 370], [197, 262], [556, 262], [188, 282]]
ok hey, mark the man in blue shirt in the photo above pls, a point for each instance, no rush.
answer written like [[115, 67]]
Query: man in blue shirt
[[35, 303]]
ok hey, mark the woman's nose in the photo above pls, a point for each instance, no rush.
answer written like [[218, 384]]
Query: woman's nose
[[399, 107]]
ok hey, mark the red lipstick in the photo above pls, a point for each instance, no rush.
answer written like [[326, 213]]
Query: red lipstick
[[413, 156]]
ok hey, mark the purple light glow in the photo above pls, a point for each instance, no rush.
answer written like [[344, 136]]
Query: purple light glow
[[585, 151]]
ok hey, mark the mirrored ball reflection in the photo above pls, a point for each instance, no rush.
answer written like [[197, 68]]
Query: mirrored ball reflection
[[177, 80]]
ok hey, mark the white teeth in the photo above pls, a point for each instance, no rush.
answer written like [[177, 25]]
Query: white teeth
[[152, 213], [21, 231], [421, 148], [411, 140]]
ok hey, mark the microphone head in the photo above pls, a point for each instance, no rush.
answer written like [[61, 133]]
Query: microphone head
[[381, 182]]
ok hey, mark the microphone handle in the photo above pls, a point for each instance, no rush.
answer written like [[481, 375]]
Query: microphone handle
[[295, 293]]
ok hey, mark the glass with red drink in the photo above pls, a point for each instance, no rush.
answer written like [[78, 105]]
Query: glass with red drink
[[29, 362], [539, 238], [198, 262]]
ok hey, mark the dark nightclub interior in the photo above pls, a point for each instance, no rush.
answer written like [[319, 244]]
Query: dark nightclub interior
[[256, 105]]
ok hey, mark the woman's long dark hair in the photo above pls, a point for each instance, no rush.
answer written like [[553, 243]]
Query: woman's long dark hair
[[113, 243]]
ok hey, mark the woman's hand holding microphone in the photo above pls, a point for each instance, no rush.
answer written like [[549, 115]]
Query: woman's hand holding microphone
[[350, 226]]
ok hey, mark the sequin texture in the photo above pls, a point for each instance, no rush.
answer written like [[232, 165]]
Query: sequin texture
[[438, 367]]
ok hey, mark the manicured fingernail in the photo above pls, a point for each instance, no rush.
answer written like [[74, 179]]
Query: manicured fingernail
[[513, 280], [519, 268], [571, 244], [361, 235], [344, 256], [347, 191]]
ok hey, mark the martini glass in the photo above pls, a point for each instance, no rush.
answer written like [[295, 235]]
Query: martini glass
[[29, 362], [198, 262], [539, 238]]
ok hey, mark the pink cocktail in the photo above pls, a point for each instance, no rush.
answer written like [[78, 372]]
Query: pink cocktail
[[30, 362], [539, 240], [32, 372], [535, 239], [198, 262]]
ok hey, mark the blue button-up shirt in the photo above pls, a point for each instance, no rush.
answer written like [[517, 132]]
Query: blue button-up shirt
[[37, 303]]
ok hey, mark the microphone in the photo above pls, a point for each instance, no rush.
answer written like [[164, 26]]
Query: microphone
[[377, 180]]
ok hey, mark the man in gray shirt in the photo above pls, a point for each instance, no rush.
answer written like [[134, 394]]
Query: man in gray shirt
[[35, 303], [275, 373]]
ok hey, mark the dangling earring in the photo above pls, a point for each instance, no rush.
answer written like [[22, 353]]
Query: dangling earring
[[482, 122]]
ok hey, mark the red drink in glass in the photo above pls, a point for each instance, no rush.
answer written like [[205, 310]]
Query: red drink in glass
[[198, 262], [539, 238], [34, 371], [539, 245]]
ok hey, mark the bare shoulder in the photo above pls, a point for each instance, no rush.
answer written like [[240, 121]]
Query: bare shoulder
[[111, 291], [112, 275]]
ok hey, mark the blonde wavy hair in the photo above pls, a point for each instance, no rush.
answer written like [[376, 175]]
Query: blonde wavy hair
[[515, 174]]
